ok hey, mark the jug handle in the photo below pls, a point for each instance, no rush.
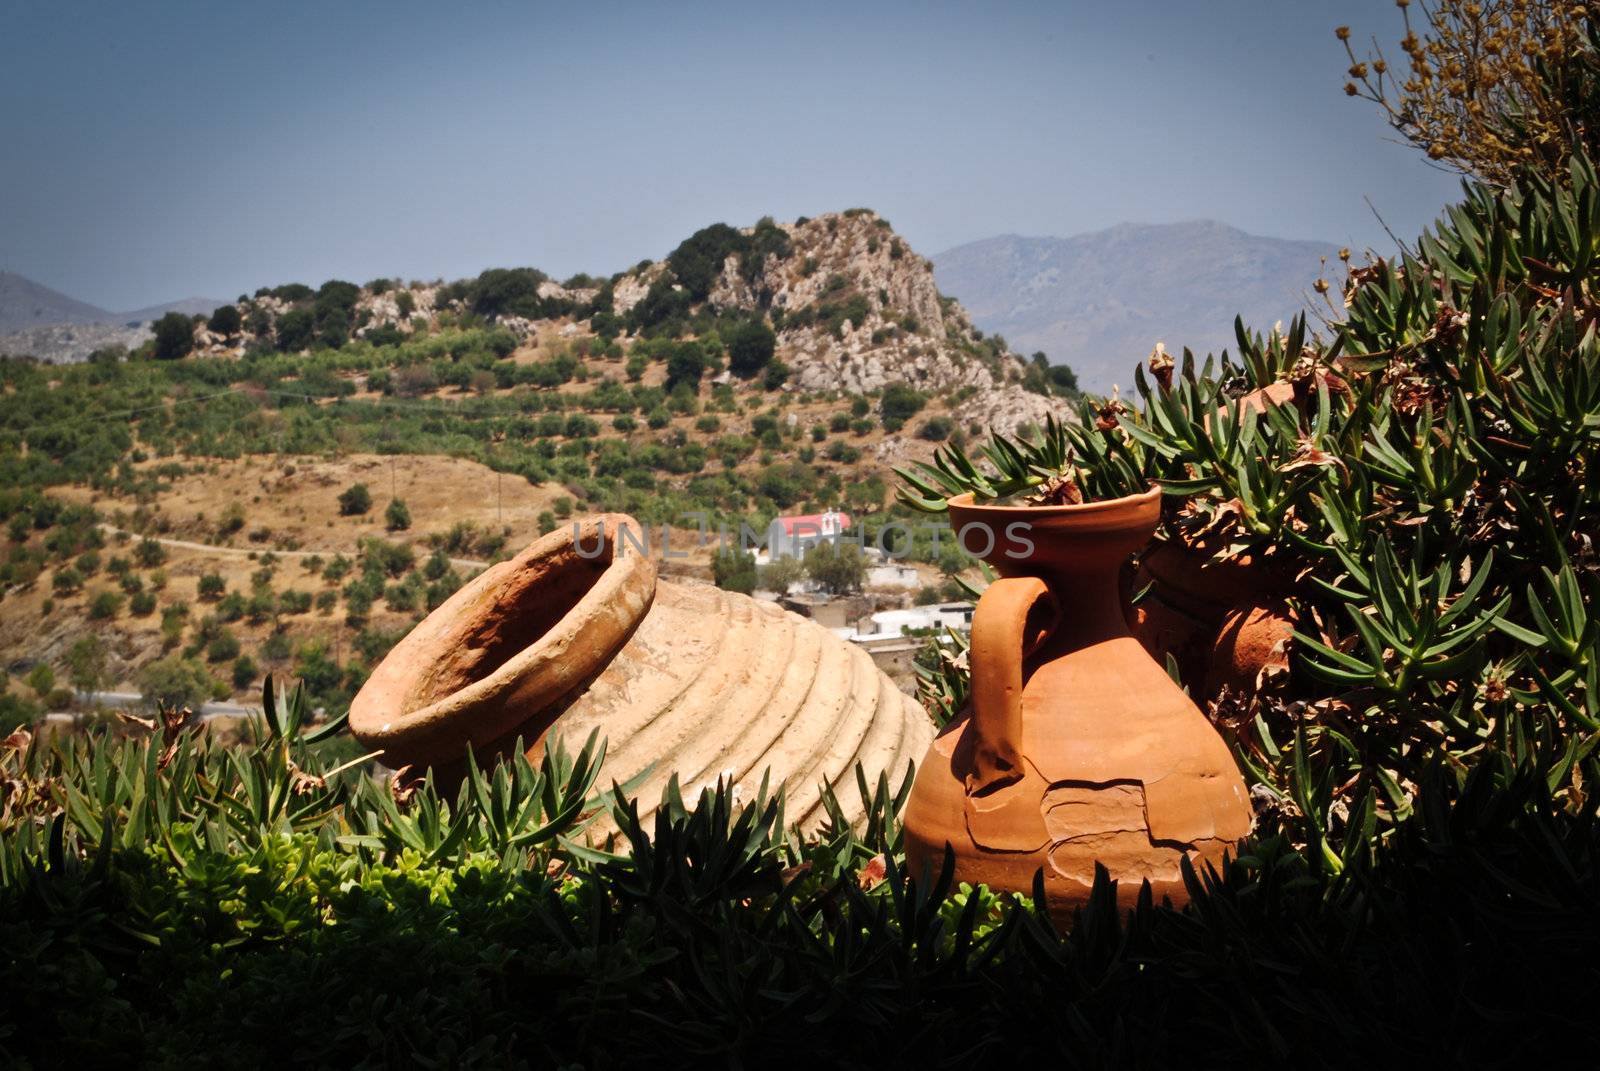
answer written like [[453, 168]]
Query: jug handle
[[1013, 617]]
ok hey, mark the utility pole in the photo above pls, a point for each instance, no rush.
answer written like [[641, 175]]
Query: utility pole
[[499, 501]]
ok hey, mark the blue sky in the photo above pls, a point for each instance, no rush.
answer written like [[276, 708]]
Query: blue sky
[[160, 150]]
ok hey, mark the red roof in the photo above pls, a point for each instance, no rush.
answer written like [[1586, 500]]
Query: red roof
[[812, 523]]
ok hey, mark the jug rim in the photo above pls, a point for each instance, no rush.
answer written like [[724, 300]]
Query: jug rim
[[538, 675], [1135, 505]]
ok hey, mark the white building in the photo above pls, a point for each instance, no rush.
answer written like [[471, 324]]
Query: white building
[[791, 537], [890, 624]]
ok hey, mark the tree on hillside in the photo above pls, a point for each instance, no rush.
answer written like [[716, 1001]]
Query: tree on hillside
[[900, 402], [778, 574], [226, 321], [174, 336], [685, 366], [355, 500], [698, 260], [296, 329], [734, 570], [175, 681], [397, 518], [751, 344], [838, 566]]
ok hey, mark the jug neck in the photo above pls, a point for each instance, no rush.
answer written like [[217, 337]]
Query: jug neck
[[1090, 600]]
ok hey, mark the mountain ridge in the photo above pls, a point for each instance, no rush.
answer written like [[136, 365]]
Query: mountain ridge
[[1099, 301], [40, 321]]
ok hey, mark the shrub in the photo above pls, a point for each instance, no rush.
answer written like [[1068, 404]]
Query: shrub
[[936, 429], [900, 402], [296, 329], [142, 604], [232, 519], [226, 321], [1491, 89], [1420, 640], [698, 260], [231, 607], [223, 647], [402, 598], [244, 672], [276, 647], [734, 569], [105, 604], [211, 586], [838, 566], [397, 518], [355, 500], [174, 336], [177, 682], [148, 553], [780, 573], [751, 344], [685, 366], [42, 679]]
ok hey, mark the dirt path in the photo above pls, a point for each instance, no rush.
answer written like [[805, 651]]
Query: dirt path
[[245, 552]]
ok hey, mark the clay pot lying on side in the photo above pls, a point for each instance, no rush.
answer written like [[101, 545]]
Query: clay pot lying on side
[[1076, 747], [577, 633]]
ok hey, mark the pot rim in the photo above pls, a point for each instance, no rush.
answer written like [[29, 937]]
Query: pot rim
[[1135, 504], [536, 677]]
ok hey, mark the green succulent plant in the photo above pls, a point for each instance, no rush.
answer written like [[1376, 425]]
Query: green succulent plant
[[1426, 468]]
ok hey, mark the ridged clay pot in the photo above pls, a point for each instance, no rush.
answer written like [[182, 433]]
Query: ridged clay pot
[[577, 633], [1076, 748]]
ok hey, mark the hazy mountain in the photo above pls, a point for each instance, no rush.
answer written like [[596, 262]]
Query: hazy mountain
[[1101, 301], [25, 303], [37, 321], [189, 306]]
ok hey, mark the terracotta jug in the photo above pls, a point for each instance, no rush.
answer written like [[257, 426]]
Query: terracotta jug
[[1075, 748], [1224, 620], [577, 633]]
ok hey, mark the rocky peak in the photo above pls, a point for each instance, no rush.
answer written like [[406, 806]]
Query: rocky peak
[[854, 307]]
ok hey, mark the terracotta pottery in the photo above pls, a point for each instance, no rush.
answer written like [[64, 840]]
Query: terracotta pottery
[[1076, 747], [577, 633], [1221, 619]]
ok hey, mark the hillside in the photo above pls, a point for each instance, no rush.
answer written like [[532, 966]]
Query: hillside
[[180, 509], [1099, 302], [37, 321]]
